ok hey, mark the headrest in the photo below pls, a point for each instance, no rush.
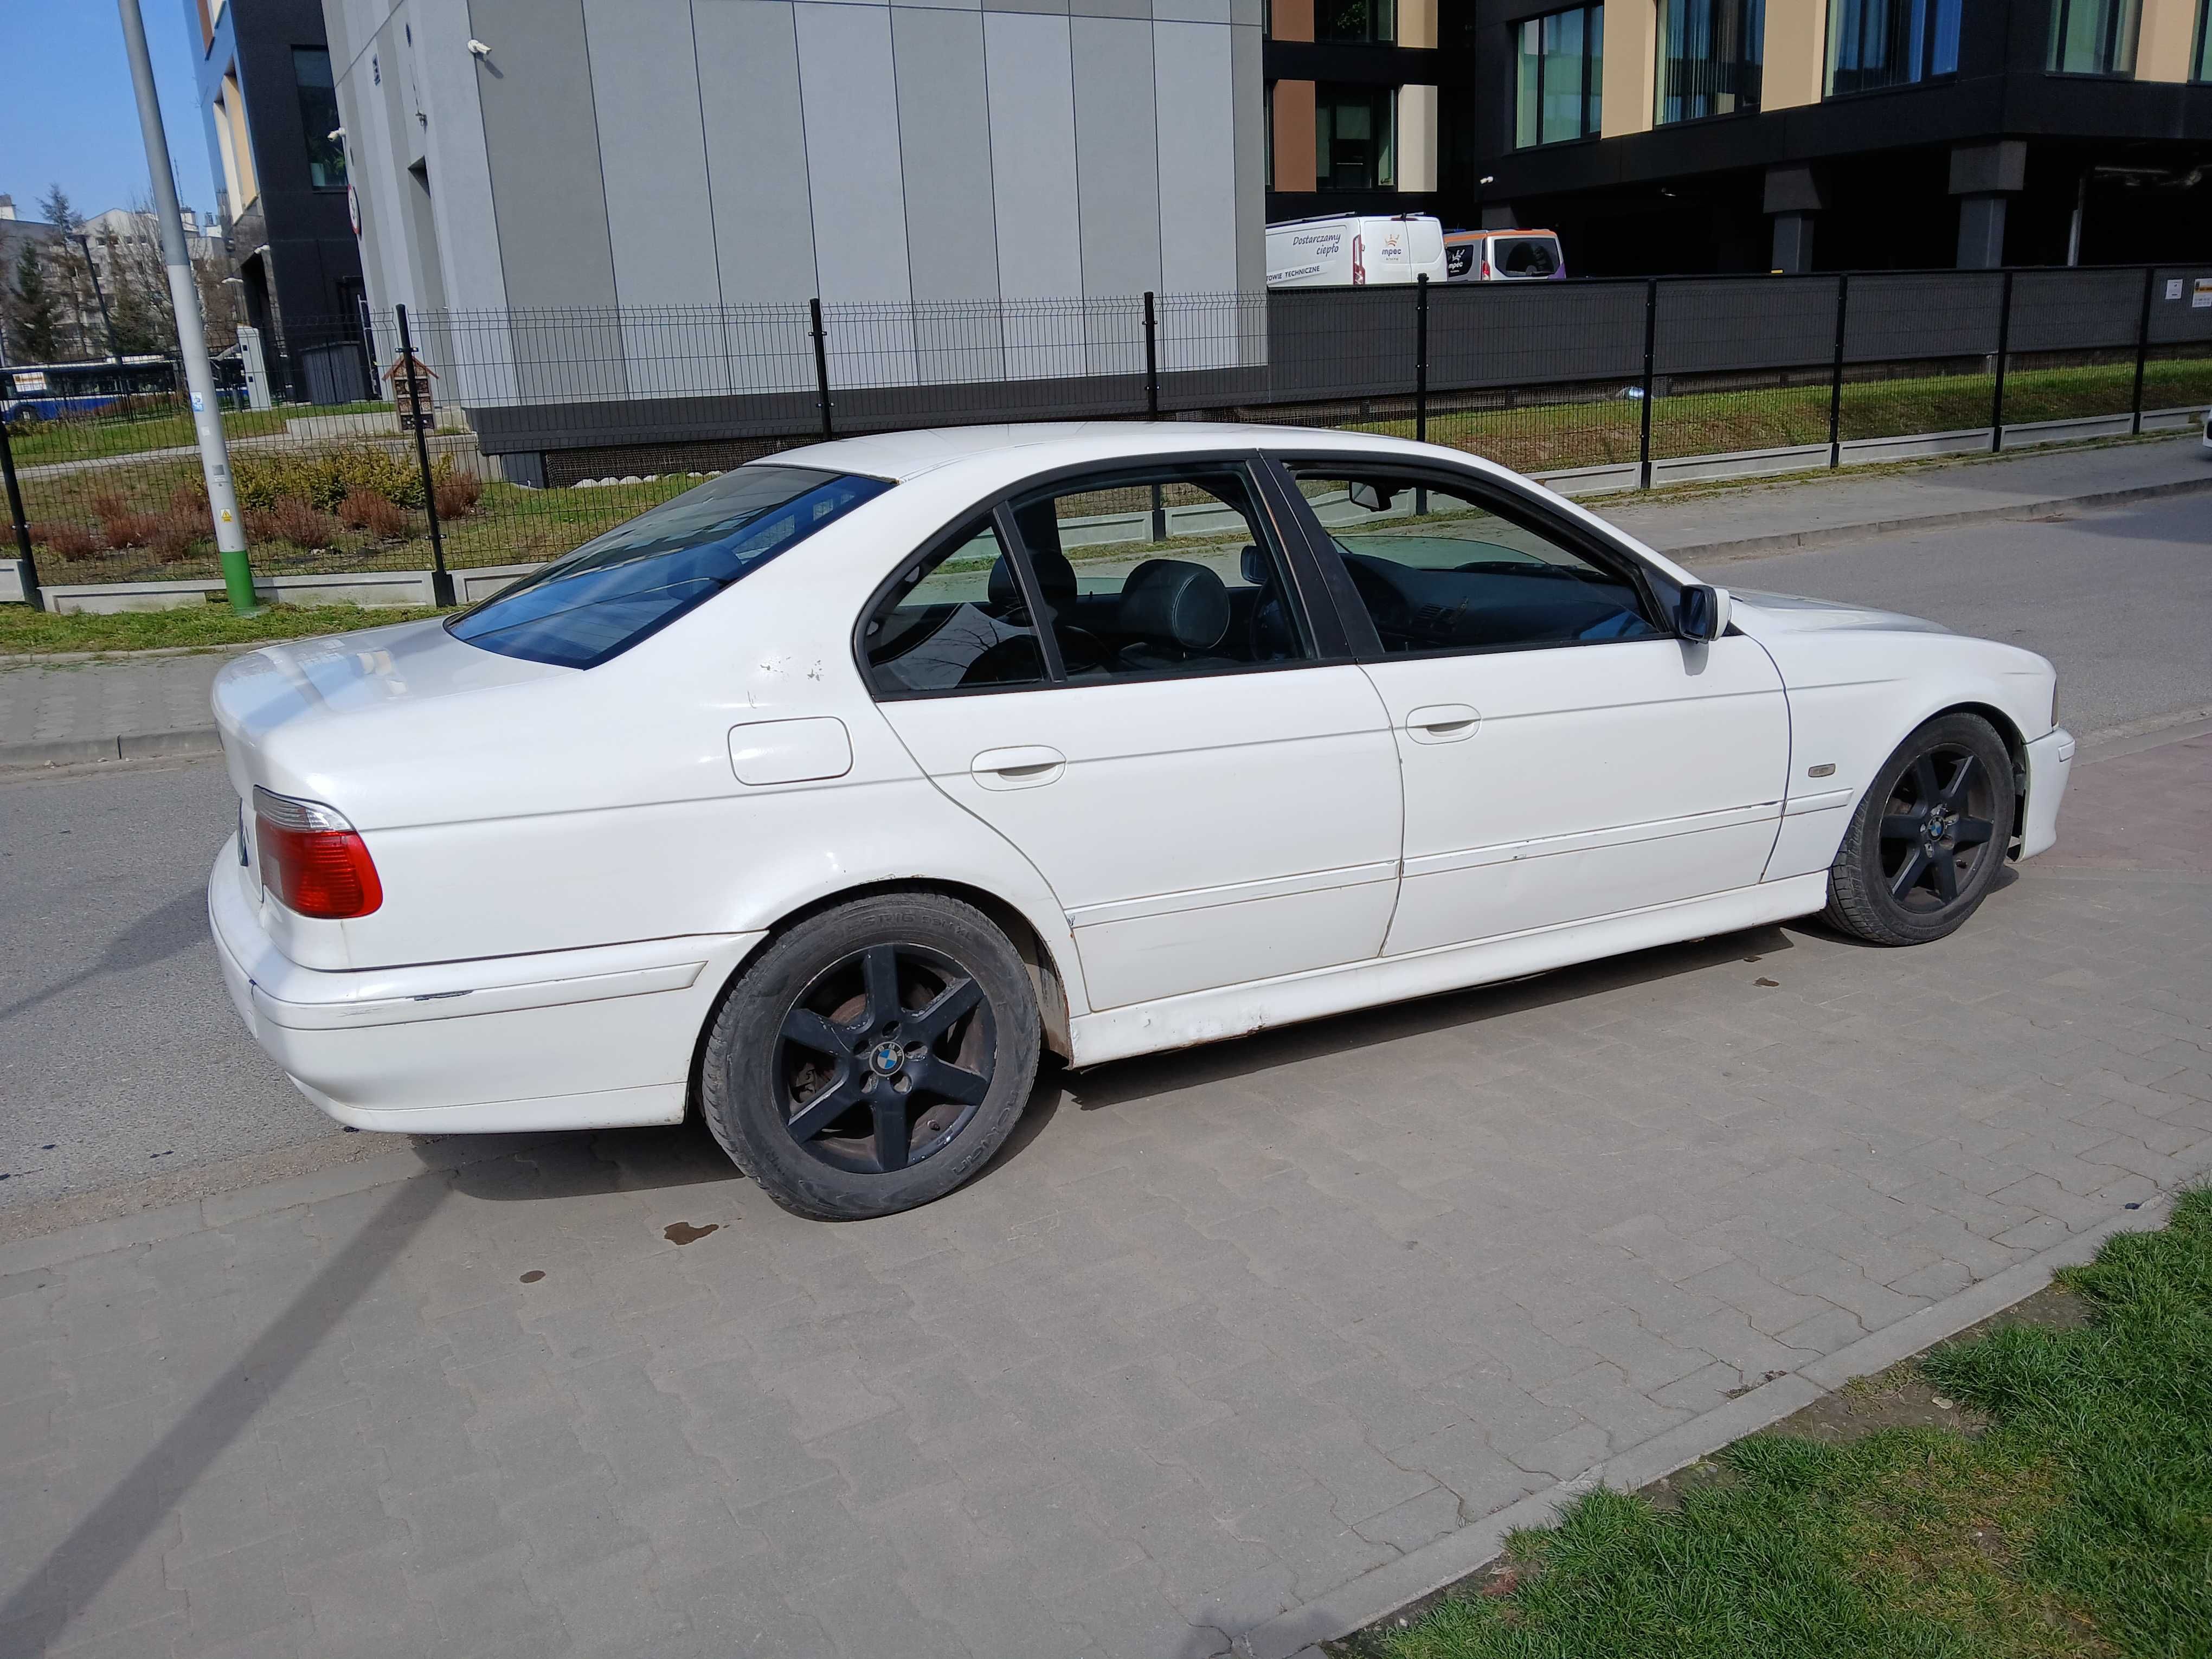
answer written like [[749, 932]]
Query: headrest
[[1055, 575], [1171, 602]]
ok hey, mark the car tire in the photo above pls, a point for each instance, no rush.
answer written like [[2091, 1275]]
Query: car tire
[[873, 1057], [1927, 837]]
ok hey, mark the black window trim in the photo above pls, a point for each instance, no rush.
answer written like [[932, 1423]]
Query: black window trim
[[1660, 592], [1321, 614]]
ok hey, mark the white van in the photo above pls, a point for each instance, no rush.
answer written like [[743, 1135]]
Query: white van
[[1503, 256], [1352, 250]]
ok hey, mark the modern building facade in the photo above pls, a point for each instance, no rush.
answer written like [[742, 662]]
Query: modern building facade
[[1748, 135], [529, 154], [266, 95], [1356, 92]]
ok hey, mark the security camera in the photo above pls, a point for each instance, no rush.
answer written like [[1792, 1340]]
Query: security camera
[[334, 134], [479, 48]]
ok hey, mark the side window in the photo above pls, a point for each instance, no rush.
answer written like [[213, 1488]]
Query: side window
[[1439, 571], [1165, 573], [952, 621]]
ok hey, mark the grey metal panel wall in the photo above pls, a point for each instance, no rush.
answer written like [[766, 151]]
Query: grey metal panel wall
[[460, 175], [850, 100], [2074, 310], [1116, 160], [1782, 322], [653, 151], [748, 55], [1897, 318], [1486, 334], [2180, 320], [1032, 103], [1196, 158], [944, 145], [1248, 96]]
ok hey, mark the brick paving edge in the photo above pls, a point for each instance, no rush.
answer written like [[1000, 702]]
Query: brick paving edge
[[1375, 1594]]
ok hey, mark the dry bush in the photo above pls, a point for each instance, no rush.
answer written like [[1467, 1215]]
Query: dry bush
[[457, 494], [190, 497], [175, 533], [65, 541], [119, 522], [293, 520], [366, 510]]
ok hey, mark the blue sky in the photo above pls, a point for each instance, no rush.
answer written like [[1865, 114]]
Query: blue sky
[[69, 117]]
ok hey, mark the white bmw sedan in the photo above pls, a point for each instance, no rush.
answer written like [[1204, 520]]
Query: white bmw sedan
[[824, 797]]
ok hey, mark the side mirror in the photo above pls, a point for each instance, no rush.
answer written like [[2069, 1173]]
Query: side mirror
[[1702, 614]]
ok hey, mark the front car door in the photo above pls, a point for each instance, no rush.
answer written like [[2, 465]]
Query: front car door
[[1565, 756], [1208, 783]]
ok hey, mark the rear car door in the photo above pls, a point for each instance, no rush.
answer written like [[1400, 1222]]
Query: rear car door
[[1208, 784], [1565, 756]]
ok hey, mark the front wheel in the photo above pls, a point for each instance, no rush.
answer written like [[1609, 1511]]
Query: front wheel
[[1928, 836], [874, 1057]]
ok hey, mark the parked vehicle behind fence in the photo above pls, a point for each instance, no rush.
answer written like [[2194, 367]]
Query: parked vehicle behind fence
[[1503, 256], [1352, 250]]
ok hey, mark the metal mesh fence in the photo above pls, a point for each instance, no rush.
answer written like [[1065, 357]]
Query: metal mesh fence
[[545, 427]]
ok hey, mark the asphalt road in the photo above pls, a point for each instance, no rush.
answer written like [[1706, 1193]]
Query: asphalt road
[[121, 1061]]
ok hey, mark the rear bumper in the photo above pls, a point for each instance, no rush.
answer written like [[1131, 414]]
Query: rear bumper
[[561, 1040], [2049, 764]]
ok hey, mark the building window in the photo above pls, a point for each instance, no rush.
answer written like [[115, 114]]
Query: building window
[[319, 117], [2205, 41], [1356, 22], [1559, 74], [1890, 42], [2094, 37], [1709, 56], [1352, 134]]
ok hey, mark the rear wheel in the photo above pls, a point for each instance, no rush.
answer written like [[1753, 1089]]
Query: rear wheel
[[1928, 836], [874, 1057]]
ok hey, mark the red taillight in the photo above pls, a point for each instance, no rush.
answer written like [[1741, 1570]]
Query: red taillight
[[312, 859]]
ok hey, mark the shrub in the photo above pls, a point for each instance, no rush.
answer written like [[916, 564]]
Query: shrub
[[65, 541], [175, 533], [457, 494], [366, 510], [324, 477], [191, 496], [291, 519], [121, 524]]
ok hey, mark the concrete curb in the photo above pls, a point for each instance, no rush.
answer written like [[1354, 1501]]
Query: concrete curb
[[1798, 541], [1375, 1594], [76, 751], [58, 659]]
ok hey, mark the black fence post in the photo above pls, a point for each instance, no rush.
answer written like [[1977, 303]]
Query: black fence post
[[2142, 351], [1650, 344], [1836, 379], [31, 589], [821, 364], [2004, 346], [1151, 359], [1421, 357], [441, 581]]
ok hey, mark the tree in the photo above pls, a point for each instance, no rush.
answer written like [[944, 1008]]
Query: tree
[[34, 315], [55, 205]]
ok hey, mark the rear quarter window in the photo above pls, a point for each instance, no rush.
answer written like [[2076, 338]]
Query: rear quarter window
[[627, 585]]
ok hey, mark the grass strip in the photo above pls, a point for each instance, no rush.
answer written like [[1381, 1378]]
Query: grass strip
[[2072, 1520], [39, 632]]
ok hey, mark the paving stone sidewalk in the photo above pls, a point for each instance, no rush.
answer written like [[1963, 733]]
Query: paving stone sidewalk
[[1224, 1332], [45, 708]]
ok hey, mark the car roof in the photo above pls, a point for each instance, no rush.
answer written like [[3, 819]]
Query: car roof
[[1044, 445]]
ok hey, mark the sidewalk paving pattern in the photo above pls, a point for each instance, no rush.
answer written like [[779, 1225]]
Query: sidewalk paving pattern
[[1224, 1332], [48, 712]]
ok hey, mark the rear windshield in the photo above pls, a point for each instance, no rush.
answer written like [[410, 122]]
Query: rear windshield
[[1524, 256], [617, 588]]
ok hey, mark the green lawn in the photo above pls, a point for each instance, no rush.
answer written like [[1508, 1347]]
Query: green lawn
[[23, 629], [2070, 1515], [39, 443]]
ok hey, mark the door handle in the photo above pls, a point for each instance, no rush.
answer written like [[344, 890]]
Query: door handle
[[1443, 722], [1020, 767]]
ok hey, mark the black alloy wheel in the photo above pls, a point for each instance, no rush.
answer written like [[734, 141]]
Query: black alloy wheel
[[872, 1056], [1936, 828], [884, 1057], [1928, 835]]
